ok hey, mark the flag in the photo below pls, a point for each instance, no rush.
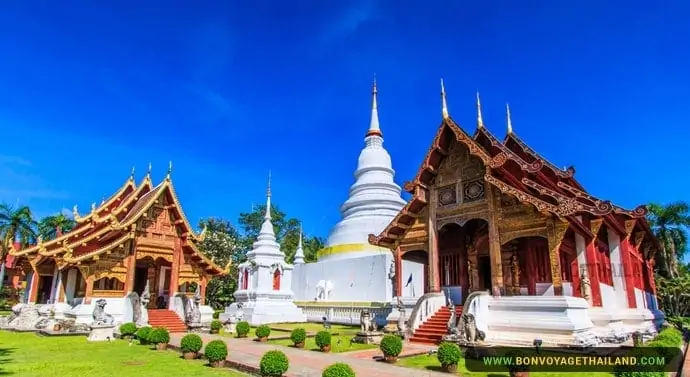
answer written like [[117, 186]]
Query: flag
[[409, 280]]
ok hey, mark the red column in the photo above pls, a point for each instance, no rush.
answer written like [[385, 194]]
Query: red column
[[591, 257], [175, 269], [202, 284], [89, 289], [628, 272], [434, 270], [33, 286], [398, 272]]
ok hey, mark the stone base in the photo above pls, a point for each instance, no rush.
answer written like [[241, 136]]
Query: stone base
[[102, 333], [266, 311], [368, 337]]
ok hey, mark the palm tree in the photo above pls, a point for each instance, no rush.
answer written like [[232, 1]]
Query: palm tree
[[48, 226], [670, 223], [15, 225]]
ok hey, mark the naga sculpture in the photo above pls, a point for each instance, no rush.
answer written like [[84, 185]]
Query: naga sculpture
[[100, 317], [402, 318], [134, 300], [192, 312], [145, 298]]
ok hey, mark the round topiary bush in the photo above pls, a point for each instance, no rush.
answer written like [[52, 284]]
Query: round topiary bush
[[449, 355], [143, 334], [160, 337], [262, 332], [216, 351], [298, 337], [242, 329], [391, 346], [128, 329], [190, 345], [338, 370], [274, 364], [216, 325], [323, 340]]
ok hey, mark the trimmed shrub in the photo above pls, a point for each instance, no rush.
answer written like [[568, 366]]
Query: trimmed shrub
[[191, 343], [298, 335], [143, 334], [448, 353], [216, 325], [242, 329], [159, 335], [128, 329], [274, 364], [323, 338], [391, 345], [216, 350], [263, 331], [338, 370], [216, 314], [670, 337]]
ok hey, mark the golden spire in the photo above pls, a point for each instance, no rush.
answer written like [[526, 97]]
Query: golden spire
[[480, 121], [510, 122], [131, 177], [167, 177], [444, 103]]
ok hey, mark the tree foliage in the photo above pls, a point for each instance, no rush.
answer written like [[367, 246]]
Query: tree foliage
[[673, 295], [669, 223], [49, 225], [16, 225]]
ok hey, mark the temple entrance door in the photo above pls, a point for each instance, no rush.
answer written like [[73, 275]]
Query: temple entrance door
[[45, 283], [140, 278], [452, 259], [484, 267]]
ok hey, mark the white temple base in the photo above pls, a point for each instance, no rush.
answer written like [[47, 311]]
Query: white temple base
[[267, 311], [101, 333], [83, 313], [519, 320]]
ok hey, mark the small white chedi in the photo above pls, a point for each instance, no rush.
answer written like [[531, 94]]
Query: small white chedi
[[265, 293]]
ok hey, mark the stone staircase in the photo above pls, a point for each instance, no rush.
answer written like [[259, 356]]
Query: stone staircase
[[166, 318], [434, 328]]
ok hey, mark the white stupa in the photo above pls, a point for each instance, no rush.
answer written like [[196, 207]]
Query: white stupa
[[350, 270], [265, 280], [373, 202]]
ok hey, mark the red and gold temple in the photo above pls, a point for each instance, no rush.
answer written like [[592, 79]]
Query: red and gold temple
[[495, 215], [139, 235]]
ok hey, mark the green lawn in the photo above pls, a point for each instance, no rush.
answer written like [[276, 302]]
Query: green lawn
[[29, 355], [431, 363], [343, 346]]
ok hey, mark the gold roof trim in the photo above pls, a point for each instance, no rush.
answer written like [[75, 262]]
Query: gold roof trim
[[117, 242], [129, 183]]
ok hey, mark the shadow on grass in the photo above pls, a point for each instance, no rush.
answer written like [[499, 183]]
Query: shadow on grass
[[5, 359]]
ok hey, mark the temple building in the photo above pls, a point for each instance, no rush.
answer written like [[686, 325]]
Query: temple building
[[138, 237], [350, 272], [495, 216]]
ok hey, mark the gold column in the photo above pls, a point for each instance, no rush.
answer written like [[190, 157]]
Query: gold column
[[556, 231], [494, 241]]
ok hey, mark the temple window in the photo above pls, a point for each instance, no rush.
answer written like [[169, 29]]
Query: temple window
[[543, 262], [109, 284], [276, 280], [603, 258], [80, 286], [566, 259]]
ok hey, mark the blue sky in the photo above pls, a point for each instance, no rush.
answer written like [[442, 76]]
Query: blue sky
[[230, 89]]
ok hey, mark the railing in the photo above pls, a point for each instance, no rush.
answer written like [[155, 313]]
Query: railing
[[345, 313], [426, 306]]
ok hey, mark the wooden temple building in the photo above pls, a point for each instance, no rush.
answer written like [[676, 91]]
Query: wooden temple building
[[490, 214], [139, 235]]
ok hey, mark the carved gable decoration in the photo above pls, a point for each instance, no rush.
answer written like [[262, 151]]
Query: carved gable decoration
[[450, 168], [473, 190], [447, 195]]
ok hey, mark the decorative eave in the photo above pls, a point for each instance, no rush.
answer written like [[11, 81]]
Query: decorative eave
[[399, 226], [68, 258], [207, 263], [567, 173], [119, 195]]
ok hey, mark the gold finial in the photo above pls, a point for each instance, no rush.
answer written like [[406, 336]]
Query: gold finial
[[148, 173], [75, 212], [480, 121], [444, 103], [102, 199], [39, 239], [131, 177], [510, 122], [93, 207], [169, 170]]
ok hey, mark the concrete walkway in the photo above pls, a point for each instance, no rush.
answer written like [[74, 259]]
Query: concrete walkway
[[245, 354]]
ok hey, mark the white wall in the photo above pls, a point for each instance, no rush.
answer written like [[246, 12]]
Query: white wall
[[608, 296], [355, 279], [416, 287], [640, 298]]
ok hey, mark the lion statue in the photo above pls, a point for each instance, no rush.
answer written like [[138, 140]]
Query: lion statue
[[365, 322], [100, 317]]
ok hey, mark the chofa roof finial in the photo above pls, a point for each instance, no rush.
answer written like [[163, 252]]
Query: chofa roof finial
[[169, 171], [444, 103], [510, 122], [480, 121]]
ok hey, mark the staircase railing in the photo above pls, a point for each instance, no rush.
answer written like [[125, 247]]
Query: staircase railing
[[426, 306]]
